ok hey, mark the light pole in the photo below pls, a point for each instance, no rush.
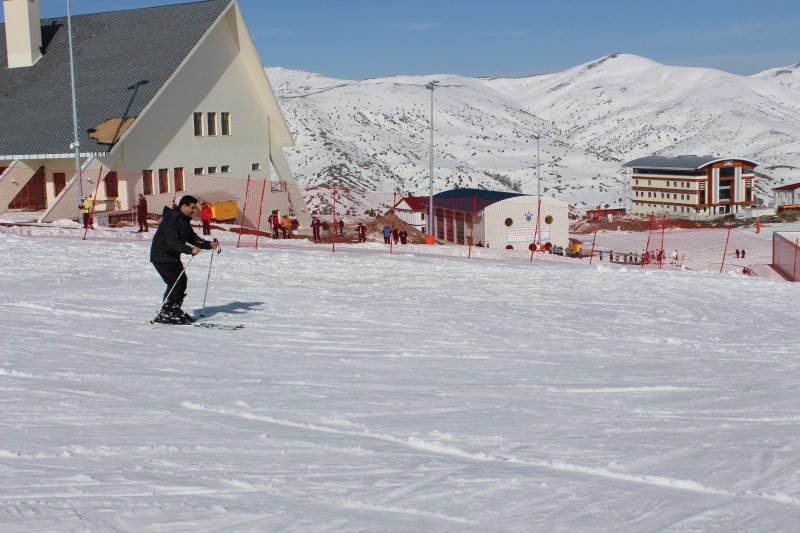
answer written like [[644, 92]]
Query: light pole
[[538, 193], [76, 145], [431, 86]]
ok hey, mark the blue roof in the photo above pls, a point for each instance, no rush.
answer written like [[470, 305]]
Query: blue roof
[[481, 194]]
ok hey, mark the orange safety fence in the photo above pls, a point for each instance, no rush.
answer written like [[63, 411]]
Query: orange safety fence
[[468, 224]]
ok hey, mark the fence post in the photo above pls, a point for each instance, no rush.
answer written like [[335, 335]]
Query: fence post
[[661, 251], [472, 227], [649, 234], [333, 229], [725, 252], [94, 201], [596, 220], [796, 247], [391, 238], [260, 208], [244, 211], [536, 231]]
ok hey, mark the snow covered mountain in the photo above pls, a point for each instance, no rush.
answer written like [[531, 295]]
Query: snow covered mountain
[[375, 133]]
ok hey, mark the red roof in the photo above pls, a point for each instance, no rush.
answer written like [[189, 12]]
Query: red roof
[[791, 187], [415, 202]]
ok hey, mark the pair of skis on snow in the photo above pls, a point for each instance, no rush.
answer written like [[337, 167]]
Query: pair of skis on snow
[[206, 325]]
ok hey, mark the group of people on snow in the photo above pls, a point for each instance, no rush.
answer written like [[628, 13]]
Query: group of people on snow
[[398, 236], [280, 225]]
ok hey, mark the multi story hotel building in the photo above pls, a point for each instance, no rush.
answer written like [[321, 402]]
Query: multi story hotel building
[[691, 186]]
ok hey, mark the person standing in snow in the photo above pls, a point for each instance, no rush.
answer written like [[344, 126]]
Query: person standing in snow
[[403, 237], [341, 227], [315, 229], [286, 225], [86, 209], [141, 214], [275, 224], [387, 233], [395, 235], [742, 253], [205, 218], [601, 255], [169, 243], [362, 232]]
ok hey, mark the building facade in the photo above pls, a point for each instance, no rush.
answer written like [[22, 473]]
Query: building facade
[[413, 211], [691, 186], [161, 112], [786, 195]]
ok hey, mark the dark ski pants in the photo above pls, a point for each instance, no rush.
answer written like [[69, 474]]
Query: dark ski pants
[[206, 227], [170, 272]]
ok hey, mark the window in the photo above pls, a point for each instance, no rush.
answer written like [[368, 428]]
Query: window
[[198, 124], [147, 181], [226, 123], [179, 183], [681, 210], [198, 171], [450, 232], [727, 172], [112, 185], [667, 184], [163, 180], [225, 168], [440, 224], [725, 190], [637, 182], [682, 197], [649, 182], [59, 182], [664, 172], [702, 193], [212, 170], [662, 195], [748, 170], [748, 195], [212, 124], [256, 166]]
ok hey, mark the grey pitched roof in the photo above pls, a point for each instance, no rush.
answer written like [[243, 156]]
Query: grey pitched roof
[[690, 162], [113, 51]]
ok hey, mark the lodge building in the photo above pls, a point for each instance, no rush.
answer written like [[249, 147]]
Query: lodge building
[[691, 186]]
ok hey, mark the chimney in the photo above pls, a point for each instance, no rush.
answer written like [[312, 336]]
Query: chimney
[[23, 32]]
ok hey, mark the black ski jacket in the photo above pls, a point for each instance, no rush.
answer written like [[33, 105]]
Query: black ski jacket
[[170, 239]]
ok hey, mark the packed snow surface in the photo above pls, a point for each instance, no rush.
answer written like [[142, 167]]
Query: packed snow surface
[[381, 393]]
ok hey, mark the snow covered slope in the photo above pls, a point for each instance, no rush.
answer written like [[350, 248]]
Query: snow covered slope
[[787, 76], [393, 394], [374, 133]]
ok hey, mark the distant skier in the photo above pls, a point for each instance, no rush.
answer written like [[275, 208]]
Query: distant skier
[[403, 237], [742, 253], [362, 232], [141, 214], [341, 227], [395, 235], [387, 235], [169, 243], [86, 210], [315, 224], [205, 218], [286, 226], [275, 224]]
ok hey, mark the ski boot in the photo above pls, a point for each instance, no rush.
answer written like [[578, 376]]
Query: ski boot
[[167, 316], [181, 316]]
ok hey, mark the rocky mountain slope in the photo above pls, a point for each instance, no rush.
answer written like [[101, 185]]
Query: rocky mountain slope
[[375, 134]]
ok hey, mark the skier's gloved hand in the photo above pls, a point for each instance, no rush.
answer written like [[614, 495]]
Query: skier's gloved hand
[[195, 250]]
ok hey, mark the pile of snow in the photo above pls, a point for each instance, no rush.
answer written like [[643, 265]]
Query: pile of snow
[[380, 393], [374, 134]]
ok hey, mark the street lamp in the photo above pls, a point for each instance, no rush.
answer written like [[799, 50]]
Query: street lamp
[[76, 145], [538, 194], [431, 86]]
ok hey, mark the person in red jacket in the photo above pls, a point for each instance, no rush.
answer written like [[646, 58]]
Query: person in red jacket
[[205, 217]]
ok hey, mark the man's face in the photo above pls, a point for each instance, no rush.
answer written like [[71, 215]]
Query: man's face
[[188, 209]]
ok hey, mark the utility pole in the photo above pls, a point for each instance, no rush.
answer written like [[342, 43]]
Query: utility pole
[[431, 86], [76, 145], [538, 192]]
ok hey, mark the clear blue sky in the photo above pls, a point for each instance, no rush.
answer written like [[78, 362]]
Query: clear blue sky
[[357, 39]]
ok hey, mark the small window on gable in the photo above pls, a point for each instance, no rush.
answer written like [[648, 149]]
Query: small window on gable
[[163, 180], [112, 185], [179, 182], [198, 124], [226, 123], [212, 124], [147, 182], [256, 166], [212, 170], [198, 171], [225, 168]]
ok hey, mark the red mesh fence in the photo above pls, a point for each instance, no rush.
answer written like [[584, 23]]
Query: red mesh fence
[[257, 214], [786, 253]]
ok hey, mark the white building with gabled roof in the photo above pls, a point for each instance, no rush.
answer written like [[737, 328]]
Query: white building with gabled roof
[[165, 95]]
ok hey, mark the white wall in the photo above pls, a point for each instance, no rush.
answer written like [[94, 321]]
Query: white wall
[[517, 209]]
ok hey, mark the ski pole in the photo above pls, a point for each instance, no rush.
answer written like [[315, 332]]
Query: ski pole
[[173, 287], [219, 250]]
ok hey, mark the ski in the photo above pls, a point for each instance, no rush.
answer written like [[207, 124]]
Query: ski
[[206, 325]]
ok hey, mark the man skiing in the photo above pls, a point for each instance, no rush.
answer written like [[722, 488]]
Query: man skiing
[[169, 243]]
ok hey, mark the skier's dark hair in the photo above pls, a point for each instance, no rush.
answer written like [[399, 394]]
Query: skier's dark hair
[[186, 200]]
